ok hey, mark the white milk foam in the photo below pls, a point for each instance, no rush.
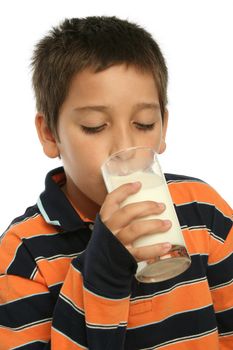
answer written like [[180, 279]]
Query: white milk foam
[[153, 189]]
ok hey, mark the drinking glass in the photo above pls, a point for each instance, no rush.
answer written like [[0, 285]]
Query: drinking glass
[[141, 164]]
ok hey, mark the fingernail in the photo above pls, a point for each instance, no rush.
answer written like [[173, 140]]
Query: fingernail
[[167, 223], [136, 184], [161, 205], [166, 246]]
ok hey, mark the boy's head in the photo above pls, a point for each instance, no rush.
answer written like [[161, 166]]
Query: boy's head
[[95, 43], [100, 86]]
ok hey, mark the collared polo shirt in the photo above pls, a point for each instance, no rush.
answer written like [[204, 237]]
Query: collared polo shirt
[[66, 286]]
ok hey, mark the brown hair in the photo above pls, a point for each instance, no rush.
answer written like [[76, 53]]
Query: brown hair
[[96, 43]]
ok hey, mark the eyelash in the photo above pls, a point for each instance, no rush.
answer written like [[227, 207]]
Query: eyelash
[[95, 130]]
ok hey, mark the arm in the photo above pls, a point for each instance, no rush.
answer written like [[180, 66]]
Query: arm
[[26, 306], [220, 271], [94, 300]]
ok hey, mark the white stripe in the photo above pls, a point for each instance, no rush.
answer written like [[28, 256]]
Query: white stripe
[[205, 203], [179, 340], [14, 257], [109, 326], [217, 238], [58, 256], [222, 285], [224, 310], [106, 298], [219, 261], [42, 235], [29, 325], [72, 304], [227, 334], [33, 273], [22, 298], [186, 181], [31, 342], [45, 215], [198, 227], [66, 336], [17, 223], [55, 284], [166, 291]]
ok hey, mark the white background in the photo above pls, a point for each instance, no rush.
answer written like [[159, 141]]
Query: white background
[[196, 37]]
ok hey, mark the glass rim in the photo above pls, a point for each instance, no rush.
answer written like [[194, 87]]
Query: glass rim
[[126, 150]]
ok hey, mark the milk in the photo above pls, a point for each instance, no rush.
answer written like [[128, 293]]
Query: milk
[[154, 188]]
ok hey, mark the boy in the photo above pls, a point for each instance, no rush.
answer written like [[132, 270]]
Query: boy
[[67, 265]]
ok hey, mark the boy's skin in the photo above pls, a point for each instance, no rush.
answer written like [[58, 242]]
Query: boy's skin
[[120, 89]]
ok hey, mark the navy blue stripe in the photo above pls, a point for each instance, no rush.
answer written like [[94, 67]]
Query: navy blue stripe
[[221, 273], [177, 177], [27, 310], [51, 245], [23, 263], [30, 211], [110, 339], [199, 214], [70, 322], [55, 290], [57, 206], [197, 270], [225, 321], [177, 326], [38, 345]]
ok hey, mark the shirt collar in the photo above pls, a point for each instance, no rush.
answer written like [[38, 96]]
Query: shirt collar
[[54, 206]]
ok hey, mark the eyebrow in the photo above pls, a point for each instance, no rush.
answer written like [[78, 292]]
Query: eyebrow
[[101, 108]]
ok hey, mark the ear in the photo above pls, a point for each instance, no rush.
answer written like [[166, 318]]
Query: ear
[[162, 147], [47, 139]]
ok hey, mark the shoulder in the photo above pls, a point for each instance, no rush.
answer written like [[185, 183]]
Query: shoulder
[[28, 224], [13, 246], [187, 189]]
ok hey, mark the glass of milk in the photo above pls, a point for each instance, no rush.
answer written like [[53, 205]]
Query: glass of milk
[[141, 164]]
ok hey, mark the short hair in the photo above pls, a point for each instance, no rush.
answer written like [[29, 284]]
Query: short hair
[[97, 43]]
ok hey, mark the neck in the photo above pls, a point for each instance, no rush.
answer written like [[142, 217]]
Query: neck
[[80, 202]]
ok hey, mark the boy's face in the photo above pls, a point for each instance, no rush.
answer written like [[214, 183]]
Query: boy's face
[[103, 113]]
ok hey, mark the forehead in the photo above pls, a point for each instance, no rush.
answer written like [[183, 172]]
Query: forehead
[[113, 79]]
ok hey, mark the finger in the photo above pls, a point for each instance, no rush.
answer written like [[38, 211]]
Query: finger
[[151, 252], [141, 228], [114, 199], [131, 212]]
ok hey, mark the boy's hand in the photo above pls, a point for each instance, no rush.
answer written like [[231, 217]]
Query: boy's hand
[[121, 221]]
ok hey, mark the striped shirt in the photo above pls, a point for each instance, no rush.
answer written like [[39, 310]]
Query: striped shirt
[[68, 283]]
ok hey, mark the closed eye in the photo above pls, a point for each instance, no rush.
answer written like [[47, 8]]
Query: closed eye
[[145, 127], [92, 130], [96, 129]]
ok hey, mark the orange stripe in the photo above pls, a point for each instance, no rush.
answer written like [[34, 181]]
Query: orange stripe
[[33, 227], [222, 297], [226, 248], [11, 339], [190, 191], [12, 240], [105, 311], [168, 304], [197, 241], [73, 287], [56, 270], [19, 288], [60, 342], [226, 342]]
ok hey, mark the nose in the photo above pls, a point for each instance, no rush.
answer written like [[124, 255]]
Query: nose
[[122, 139]]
